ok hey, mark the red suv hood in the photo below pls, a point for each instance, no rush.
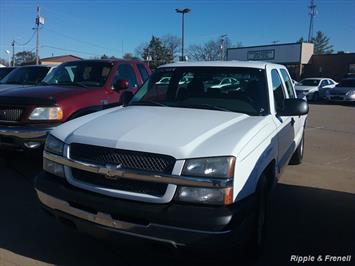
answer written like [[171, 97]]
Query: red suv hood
[[56, 92]]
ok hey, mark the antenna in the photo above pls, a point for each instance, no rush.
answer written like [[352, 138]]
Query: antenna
[[312, 13]]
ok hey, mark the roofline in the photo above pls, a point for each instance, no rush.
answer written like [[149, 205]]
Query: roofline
[[257, 46]]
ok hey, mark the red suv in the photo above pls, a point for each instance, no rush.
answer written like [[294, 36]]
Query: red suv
[[70, 90]]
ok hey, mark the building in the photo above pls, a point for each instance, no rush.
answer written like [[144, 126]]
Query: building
[[56, 60], [334, 66], [293, 55], [299, 59]]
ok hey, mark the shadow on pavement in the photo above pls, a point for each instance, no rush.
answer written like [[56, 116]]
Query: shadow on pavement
[[303, 221]]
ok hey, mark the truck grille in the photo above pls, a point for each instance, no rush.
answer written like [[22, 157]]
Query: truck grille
[[150, 188], [134, 160], [10, 113]]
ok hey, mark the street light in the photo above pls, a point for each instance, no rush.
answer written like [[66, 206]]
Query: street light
[[183, 11]]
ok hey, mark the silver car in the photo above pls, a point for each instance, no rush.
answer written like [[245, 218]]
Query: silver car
[[343, 92], [314, 88]]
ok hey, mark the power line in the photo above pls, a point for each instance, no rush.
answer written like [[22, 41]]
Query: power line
[[24, 44], [67, 50], [74, 39]]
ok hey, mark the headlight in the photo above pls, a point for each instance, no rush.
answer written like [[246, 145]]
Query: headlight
[[350, 93], [213, 196], [46, 113], [53, 167], [216, 167], [54, 145]]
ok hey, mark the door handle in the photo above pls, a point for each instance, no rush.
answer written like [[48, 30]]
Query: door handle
[[292, 121]]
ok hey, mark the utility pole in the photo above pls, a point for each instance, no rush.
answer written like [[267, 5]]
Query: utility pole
[[312, 13], [223, 40], [39, 21], [13, 52]]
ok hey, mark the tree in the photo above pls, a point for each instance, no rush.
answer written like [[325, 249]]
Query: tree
[[172, 43], [156, 53], [321, 44], [129, 56], [301, 40], [4, 62], [25, 58], [212, 50]]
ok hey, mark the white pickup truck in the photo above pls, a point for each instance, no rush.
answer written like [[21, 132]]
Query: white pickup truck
[[181, 162]]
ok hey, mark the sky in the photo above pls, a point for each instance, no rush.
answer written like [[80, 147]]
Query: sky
[[91, 28]]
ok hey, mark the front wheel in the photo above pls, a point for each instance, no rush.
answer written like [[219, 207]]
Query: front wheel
[[297, 157]]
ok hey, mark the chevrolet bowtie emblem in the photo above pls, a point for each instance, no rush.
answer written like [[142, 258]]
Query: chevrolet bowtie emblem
[[111, 171]]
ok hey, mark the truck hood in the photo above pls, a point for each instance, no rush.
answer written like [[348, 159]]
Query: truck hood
[[53, 92], [179, 132]]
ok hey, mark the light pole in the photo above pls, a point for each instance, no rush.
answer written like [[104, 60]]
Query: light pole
[[183, 11]]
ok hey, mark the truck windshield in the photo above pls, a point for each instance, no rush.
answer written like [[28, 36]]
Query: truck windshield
[[26, 75], [80, 74], [244, 90], [5, 71]]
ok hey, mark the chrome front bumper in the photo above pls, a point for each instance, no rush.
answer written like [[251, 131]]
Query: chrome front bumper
[[20, 136]]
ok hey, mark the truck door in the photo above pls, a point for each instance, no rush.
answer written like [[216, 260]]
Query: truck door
[[299, 120], [284, 124]]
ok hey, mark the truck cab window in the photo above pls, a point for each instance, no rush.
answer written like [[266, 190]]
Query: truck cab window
[[279, 94], [288, 83]]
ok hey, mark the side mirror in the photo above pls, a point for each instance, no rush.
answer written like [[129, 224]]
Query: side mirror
[[126, 97], [120, 85], [294, 107]]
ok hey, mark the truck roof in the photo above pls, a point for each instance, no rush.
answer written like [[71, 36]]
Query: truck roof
[[234, 63]]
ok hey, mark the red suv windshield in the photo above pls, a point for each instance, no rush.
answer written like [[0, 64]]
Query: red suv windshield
[[80, 73]]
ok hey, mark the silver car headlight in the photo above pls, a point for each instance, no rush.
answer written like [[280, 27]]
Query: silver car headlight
[[350, 93], [54, 145], [46, 113], [215, 167]]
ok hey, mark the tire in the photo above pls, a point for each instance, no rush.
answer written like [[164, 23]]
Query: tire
[[256, 244], [297, 157], [315, 97]]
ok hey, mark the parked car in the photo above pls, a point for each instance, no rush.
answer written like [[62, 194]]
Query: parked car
[[24, 76], [4, 71], [343, 92], [194, 167], [223, 82], [71, 90], [314, 88]]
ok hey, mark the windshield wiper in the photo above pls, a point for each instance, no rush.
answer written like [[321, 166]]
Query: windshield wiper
[[152, 103], [207, 106]]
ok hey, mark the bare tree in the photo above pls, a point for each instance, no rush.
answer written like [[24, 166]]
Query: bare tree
[[172, 43], [210, 51]]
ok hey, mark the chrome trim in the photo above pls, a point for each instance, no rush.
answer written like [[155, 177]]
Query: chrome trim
[[141, 175]]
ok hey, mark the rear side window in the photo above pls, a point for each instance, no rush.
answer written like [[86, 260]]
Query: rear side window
[[126, 72], [279, 95], [143, 71], [288, 83]]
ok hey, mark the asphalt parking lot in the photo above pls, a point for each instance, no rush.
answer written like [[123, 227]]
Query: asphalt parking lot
[[313, 209]]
